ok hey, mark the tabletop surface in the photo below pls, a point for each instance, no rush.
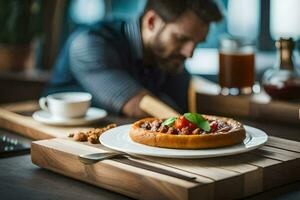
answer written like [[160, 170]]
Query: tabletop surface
[[20, 179]]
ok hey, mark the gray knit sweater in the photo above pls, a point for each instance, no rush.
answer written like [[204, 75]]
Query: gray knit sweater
[[106, 60]]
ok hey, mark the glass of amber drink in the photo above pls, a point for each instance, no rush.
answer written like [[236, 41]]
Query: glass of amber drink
[[236, 66]]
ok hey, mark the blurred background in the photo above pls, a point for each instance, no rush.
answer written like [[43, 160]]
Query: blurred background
[[34, 31]]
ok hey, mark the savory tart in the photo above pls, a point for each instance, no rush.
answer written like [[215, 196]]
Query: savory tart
[[189, 131]]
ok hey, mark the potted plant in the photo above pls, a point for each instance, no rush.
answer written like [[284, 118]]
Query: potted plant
[[19, 25]]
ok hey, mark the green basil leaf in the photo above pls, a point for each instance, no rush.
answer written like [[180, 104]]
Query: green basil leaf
[[204, 125], [199, 120], [169, 122], [192, 117]]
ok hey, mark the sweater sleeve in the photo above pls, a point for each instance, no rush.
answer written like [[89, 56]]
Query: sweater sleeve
[[97, 66]]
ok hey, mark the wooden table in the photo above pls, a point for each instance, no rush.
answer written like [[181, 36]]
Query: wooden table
[[21, 179]]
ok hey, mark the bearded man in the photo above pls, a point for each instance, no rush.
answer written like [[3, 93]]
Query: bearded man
[[121, 61]]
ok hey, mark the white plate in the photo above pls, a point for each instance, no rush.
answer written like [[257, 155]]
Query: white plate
[[118, 139], [92, 115]]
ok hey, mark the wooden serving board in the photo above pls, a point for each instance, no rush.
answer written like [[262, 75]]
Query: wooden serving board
[[17, 117], [230, 177]]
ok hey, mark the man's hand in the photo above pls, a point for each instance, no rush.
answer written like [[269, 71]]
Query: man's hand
[[144, 104], [132, 109]]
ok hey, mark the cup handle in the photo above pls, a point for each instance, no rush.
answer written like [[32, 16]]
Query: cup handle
[[43, 103]]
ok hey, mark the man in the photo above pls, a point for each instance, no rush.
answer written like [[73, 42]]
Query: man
[[120, 62]]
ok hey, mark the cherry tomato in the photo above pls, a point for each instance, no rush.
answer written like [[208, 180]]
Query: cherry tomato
[[182, 122], [213, 126]]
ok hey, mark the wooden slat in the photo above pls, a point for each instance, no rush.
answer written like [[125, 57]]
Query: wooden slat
[[284, 144], [252, 175], [278, 168], [33, 129], [272, 155], [232, 178], [21, 107], [288, 170], [287, 153]]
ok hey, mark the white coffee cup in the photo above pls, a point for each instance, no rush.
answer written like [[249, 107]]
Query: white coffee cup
[[66, 104]]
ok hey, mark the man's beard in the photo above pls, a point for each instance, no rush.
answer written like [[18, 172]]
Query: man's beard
[[172, 64]]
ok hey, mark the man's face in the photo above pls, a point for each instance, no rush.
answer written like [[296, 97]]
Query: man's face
[[175, 41]]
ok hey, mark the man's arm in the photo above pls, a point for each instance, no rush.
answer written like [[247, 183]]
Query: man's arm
[[132, 108], [97, 66], [144, 104]]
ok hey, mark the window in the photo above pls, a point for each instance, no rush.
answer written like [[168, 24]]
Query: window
[[87, 11], [285, 18]]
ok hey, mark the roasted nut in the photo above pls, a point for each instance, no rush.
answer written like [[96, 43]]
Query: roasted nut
[[98, 132], [92, 135], [146, 125], [109, 126], [173, 131], [170, 130], [153, 128], [225, 128], [176, 131], [196, 131], [163, 129], [185, 131], [81, 136], [155, 124], [93, 139]]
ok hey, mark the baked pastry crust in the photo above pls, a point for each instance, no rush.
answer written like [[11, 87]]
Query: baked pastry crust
[[235, 135]]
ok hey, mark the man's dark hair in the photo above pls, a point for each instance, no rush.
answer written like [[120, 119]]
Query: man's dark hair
[[169, 10]]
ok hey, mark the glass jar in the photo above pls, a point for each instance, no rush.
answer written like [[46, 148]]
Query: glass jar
[[283, 80], [236, 66]]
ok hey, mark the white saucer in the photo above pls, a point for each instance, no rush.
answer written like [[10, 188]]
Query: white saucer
[[92, 115], [118, 139]]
